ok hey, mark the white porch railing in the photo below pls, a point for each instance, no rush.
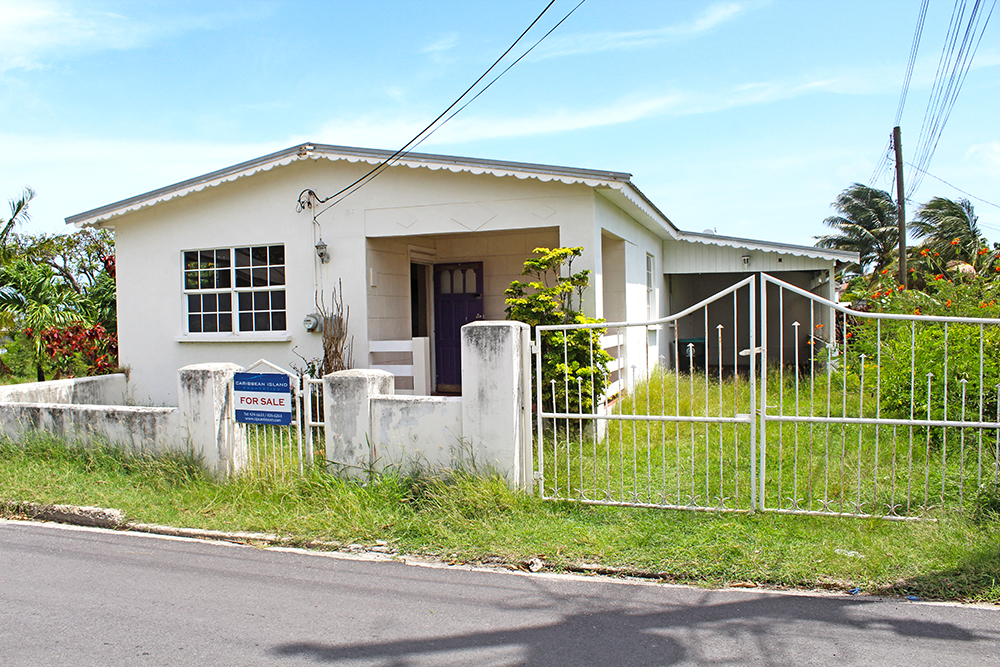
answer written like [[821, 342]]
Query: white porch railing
[[419, 367]]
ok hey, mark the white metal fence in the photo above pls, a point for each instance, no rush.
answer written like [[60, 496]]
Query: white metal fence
[[834, 412], [278, 450]]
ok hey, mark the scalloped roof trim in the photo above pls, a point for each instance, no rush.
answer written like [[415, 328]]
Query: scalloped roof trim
[[521, 171]]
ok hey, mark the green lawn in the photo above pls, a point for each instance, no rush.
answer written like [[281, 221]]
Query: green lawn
[[476, 518]]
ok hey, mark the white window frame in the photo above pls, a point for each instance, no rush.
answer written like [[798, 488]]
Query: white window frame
[[260, 278], [650, 287]]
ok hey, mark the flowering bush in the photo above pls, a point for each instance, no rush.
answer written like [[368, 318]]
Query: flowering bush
[[945, 355], [79, 348]]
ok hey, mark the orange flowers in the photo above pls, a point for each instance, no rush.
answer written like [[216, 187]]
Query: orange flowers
[[983, 251], [885, 271], [948, 304], [900, 288], [923, 253], [850, 334], [876, 295], [939, 276], [916, 311], [955, 242]]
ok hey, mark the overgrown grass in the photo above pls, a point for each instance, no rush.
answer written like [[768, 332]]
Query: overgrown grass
[[477, 518], [847, 468]]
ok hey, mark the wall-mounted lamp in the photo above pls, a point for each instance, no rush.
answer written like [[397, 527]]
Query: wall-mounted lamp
[[321, 252], [746, 261]]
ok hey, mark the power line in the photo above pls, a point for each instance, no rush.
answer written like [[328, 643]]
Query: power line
[[421, 136], [953, 67], [914, 47], [968, 194]]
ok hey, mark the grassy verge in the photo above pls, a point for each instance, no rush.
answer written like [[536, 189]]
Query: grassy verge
[[474, 518]]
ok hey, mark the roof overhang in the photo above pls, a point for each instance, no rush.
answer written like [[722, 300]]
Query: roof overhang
[[768, 246], [570, 175]]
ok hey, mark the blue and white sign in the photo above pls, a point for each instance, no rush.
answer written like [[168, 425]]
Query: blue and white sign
[[263, 398]]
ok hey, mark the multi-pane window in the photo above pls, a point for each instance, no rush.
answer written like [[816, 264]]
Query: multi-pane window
[[244, 286]]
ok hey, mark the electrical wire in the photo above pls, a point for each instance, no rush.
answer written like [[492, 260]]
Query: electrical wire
[[914, 47], [953, 68], [350, 189], [968, 194]]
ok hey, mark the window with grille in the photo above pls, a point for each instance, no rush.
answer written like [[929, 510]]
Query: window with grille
[[235, 287]]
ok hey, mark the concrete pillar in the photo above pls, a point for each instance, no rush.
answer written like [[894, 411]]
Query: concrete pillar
[[347, 408], [496, 399], [207, 424]]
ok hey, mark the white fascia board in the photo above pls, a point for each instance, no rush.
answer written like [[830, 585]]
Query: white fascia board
[[522, 170], [768, 246], [630, 199]]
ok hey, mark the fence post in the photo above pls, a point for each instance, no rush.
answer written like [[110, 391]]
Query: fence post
[[347, 409], [496, 398], [207, 423]]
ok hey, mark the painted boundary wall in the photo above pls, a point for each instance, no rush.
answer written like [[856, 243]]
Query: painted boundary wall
[[488, 428], [90, 411], [368, 428]]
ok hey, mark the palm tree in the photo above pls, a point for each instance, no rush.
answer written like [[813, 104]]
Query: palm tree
[[33, 299], [950, 229], [866, 224], [18, 214]]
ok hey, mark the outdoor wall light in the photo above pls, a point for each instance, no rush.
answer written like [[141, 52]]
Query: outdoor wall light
[[321, 252], [746, 261]]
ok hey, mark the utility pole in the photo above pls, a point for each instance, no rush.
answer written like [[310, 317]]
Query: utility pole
[[897, 144]]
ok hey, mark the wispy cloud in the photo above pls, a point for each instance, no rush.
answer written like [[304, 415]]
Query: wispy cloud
[[987, 156], [443, 44], [596, 42], [33, 33], [382, 130], [29, 31]]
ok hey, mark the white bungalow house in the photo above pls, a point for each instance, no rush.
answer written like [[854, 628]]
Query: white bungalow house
[[223, 267]]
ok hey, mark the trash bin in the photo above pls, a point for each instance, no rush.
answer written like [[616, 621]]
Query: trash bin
[[692, 354]]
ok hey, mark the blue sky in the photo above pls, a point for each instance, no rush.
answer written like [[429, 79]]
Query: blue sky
[[744, 116]]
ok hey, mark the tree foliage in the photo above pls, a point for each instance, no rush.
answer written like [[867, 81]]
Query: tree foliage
[[573, 361], [57, 295], [866, 223]]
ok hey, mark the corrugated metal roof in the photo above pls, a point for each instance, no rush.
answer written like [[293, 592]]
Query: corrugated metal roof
[[616, 186], [768, 246], [310, 151]]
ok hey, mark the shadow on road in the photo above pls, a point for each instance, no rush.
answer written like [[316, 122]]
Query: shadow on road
[[671, 636]]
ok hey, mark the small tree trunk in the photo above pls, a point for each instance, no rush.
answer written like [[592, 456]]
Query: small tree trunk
[[41, 374]]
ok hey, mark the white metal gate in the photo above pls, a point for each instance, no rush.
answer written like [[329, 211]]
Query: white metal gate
[[278, 450], [833, 412]]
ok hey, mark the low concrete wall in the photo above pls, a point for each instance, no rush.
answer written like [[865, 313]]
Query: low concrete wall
[[89, 410], [138, 429], [100, 390], [416, 431], [367, 427]]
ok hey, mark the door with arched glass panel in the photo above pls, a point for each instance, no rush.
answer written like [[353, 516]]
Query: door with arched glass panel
[[458, 300]]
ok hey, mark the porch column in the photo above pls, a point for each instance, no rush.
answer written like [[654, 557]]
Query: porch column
[[496, 399]]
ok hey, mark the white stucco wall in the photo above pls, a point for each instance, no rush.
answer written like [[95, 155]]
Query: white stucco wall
[[460, 216]]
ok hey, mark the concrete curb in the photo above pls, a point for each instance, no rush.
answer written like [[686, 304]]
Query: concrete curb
[[99, 517]]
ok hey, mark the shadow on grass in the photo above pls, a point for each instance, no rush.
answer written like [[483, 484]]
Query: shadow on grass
[[975, 579]]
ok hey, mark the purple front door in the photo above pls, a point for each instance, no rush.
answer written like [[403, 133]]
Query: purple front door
[[458, 300]]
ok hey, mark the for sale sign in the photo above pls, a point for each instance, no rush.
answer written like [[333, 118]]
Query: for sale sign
[[263, 398]]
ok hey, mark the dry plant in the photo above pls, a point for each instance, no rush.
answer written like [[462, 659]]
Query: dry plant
[[338, 346]]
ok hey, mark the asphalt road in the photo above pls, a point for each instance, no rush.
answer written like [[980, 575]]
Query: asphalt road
[[82, 597]]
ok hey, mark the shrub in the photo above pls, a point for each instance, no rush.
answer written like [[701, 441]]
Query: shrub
[[573, 359]]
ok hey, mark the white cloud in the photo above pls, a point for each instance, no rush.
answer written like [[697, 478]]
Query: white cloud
[[30, 31], [390, 129], [596, 42], [444, 44], [986, 156]]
